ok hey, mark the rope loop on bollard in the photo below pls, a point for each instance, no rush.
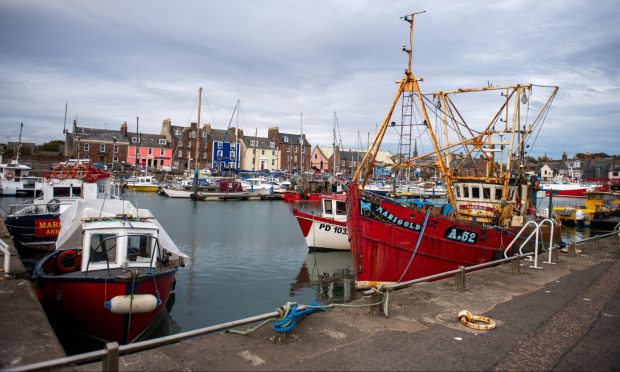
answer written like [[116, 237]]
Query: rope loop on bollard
[[473, 321]]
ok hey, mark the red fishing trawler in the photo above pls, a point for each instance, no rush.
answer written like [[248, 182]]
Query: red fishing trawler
[[489, 195]]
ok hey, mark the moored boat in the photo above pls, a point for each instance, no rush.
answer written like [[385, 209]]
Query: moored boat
[[36, 223], [329, 230], [111, 273], [488, 203], [143, 184]]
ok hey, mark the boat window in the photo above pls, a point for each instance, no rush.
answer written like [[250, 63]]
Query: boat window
[[103, 246], [327, 207], [475, 192], [499, 193], [341, 208], [139, 248], [486, 193], [466, 191], [458, 191], [76, 192], [60, 192]]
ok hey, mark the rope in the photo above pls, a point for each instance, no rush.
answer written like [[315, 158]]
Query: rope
[[289, 314], [417, 244]]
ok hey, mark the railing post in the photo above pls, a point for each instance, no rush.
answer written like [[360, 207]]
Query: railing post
[[536, 249], [459, 279], [553, 256], [110, 359], [515, 264]]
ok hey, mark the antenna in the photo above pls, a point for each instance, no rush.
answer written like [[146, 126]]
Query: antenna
[[64, 127]]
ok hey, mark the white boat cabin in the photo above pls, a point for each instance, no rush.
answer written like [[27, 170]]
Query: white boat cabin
[[334, 207], [482, 202]]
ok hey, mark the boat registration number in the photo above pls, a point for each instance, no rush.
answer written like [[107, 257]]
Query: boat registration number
[[460, 235], [336, 229]]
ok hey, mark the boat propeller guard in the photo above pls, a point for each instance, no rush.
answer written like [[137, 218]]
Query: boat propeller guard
[[474, 321]]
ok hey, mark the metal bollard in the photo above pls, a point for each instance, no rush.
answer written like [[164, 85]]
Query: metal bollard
[[515, 264], [109, 363], [459, 279], [572, 249]]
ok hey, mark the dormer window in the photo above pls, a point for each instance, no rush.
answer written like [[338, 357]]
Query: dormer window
[[204, 134], [178, 132], [272, 144], [163, 141], [192, 134], [134, 139], [285, 139]]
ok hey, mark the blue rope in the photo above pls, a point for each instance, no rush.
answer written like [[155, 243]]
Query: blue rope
[[290, 319]]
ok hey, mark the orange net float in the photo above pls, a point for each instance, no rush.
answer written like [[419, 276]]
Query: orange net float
[[80, 171], [59, 171]]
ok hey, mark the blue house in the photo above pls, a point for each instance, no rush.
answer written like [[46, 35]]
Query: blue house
[[225, 150]]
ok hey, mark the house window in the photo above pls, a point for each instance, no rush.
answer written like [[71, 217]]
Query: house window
[[115, 159], [189, 154], [161, 162], [180, 154], [232, 154], [178, 132], [162, 141], [86, 147], [263, 152], [232, 146], [273, 162], [253, 143], [204, 134], [288, 148], [220, 153], [204, 155], [116, 149], [272, 144], [150, 151], [134, 139], [189, 144], [316, 156], [273, 153], [192, 134], [101, 148], [162, 152], [285, 139]]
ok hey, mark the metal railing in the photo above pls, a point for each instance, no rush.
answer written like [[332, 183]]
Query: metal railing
[[109, 355], [7, 258], [536, 233]]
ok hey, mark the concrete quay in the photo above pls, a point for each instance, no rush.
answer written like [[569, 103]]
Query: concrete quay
[[561, 317], [26, 335]]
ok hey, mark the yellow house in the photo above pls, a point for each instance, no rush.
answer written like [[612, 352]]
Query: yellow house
[[258, 153]]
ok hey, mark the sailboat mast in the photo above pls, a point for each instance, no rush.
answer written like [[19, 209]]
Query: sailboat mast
[[334, 145], [19, 142], [301, 141], [198, 130]]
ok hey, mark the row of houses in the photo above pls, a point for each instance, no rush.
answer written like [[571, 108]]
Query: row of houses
[[587, 168], [194, 147]]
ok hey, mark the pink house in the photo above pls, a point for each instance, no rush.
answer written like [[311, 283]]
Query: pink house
[[319, 159], [155, 151]]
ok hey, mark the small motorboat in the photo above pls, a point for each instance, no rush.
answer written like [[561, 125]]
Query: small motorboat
[[111, 273], [329, 230]]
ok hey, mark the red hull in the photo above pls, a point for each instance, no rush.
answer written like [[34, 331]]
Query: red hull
[[383, 235], [291, 196], [573, 193], [78, 300]]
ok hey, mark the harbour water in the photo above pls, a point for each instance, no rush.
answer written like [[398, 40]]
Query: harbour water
[[246, 258]]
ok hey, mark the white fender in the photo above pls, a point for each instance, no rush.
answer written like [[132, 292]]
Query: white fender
[[141, 303]]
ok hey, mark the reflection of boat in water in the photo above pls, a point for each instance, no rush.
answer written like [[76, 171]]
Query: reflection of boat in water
[[331, 273]]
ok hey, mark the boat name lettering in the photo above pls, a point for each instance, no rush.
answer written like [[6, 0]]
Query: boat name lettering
[[46, 228], [475, 206], [377, 212], [336, 229], [461, 235]]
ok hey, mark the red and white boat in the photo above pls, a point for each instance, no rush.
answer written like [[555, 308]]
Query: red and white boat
[[329, 230], [111, 273], [489, 197], [566, 190]]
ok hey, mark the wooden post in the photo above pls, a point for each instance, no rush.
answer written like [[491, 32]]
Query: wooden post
[[110, 359]]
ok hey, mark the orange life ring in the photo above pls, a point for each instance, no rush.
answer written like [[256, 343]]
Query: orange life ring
[[68, 255], [9, 176]]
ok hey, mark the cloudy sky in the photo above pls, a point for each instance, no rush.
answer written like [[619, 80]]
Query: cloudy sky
[[113, 61]]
